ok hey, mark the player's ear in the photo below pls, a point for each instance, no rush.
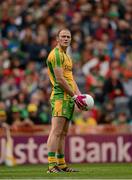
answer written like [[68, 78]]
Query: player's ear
[[57, 38]]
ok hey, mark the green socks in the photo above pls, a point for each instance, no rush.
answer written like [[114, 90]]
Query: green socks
[[61, 161], [51, 159]]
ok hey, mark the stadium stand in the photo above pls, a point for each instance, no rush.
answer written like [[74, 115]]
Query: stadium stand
[[101, 49]]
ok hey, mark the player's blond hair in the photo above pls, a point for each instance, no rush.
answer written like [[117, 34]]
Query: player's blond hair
[[63, 29]]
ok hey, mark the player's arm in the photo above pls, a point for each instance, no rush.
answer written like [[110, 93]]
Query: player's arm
[[77, 91], [78, 98], [58, 71]]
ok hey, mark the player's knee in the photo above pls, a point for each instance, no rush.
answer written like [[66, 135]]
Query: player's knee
[[64, 133], [57, 133]]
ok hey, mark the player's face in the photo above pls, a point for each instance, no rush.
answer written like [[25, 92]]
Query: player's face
[[64, 38]]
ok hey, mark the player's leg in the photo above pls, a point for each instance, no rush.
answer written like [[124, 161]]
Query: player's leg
[[67, 112], [68, 108], [60, 153], [55, 133], [61, 148], [54, 139]]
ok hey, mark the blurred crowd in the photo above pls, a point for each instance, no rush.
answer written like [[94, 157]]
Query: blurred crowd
[[101, 50]]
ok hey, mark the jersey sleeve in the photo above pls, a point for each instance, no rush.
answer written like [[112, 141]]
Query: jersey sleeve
[[56, 59]]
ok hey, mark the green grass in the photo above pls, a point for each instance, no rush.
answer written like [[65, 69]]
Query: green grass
[[87, 171]]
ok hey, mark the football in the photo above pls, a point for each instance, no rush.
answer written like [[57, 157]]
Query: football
[[89, 101]]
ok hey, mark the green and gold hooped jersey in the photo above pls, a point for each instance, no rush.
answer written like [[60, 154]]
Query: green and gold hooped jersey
[[58, 58]]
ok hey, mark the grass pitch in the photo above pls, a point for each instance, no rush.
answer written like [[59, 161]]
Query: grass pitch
[[87, 171]]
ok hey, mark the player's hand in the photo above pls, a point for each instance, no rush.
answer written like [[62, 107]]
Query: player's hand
[[79, 100]]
